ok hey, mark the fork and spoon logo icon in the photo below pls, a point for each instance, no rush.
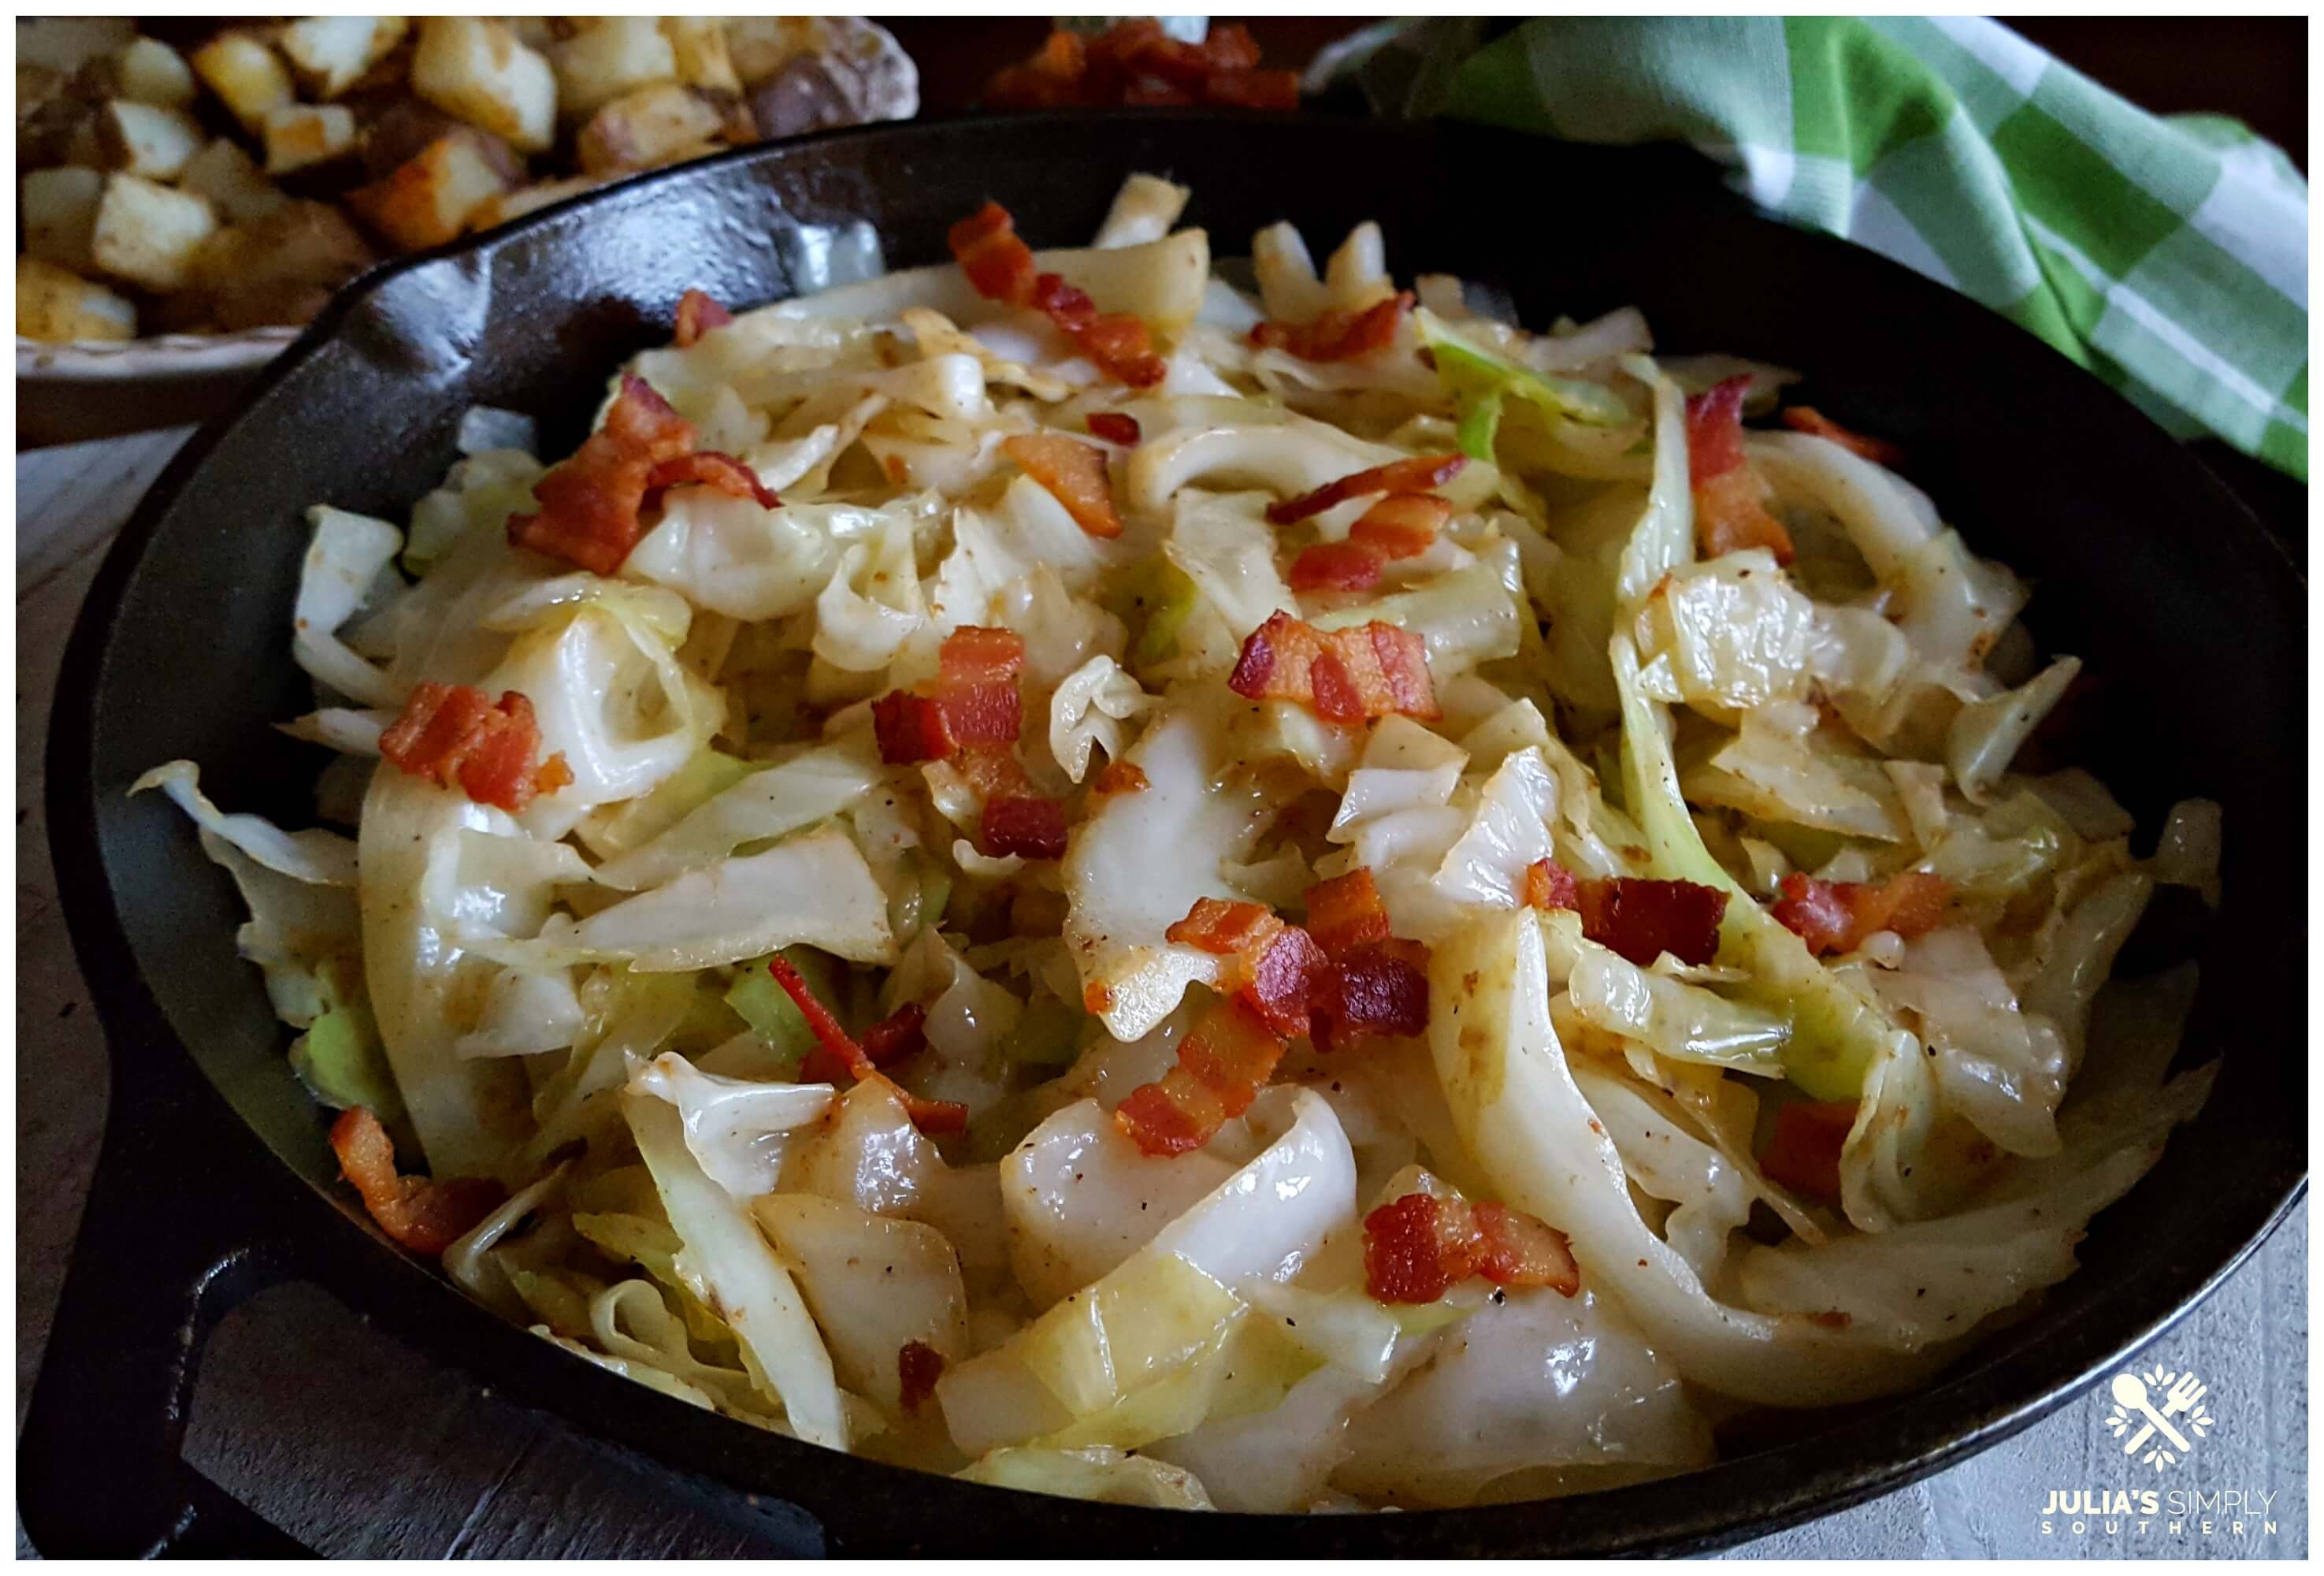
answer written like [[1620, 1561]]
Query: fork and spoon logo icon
[[2137, 1415]]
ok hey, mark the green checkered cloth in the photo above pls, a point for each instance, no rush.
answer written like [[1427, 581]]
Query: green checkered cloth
[[2169, 254]]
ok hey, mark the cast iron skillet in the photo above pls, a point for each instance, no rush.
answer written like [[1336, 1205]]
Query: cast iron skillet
[[2142, 564]]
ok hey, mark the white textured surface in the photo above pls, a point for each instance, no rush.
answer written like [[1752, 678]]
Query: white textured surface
[[362, 1448]]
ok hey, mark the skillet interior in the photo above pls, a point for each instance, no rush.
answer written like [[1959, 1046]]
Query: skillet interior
[[2141, 564]]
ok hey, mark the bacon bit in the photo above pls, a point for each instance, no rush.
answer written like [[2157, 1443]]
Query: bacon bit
[[928, 1116], [1549, 885], [1278, 967], [1838, 916], [1074, 473], [1222, 928], [1419, 1247], [1023, 825], [901, 1033], [1421, 474], [1345, 676], [1337, 566], [1335, 334], [1119, 777], [425, 1217], [999, 264], [918, 1367], [711, 468], [1816, 424], [1804, 1154], [1372, 991], [1135, 62], [1641, 919], [589, 503], [1115, 428], [1222, 1061], [1097, 999], [910, 728], [698, 312], [1346, 913], [1731, 498], [978, 654], [1403, 525], [454, 733], [981, 714]]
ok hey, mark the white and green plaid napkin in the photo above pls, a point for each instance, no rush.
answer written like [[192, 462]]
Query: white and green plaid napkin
[[2169, 254]]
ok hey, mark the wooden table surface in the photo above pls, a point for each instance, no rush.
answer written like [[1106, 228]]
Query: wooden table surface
[[360, 1447]]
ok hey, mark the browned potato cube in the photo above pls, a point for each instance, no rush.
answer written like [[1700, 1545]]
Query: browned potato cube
[[144, 139], [230, 179], [331, 53], [424, 201], [704, 61], [300, 134], [474, 68], [58, 306], [58, 209], [525, 199], [613, 56], [147, 232], [64, 44], [760, 46], [151, 72], [281, 268], [644, 129], [248, 76]]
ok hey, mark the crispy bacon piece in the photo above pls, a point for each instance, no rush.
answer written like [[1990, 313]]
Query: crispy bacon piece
[[977, 653], [1050, 79], [1337, 335], [910, 728], [1420, 474], [1278, 967], [901, 1033], [928, 1116], [1346, 913], [1549, 885], [1642, 919], [1731, 498], [589, 503], [1815, 424], [918, 1367], [1074, 473], [1222, 1061], [1337, 566], [712, 467], [1024, 825], [454, 733], [975, 712], [1381, 989], [1838, 916], [698, 312], [1803, 1154], [1115, 427], [1119, 777], [1419, 1247], [425, 1217], [1344, 676], [1402, 524], [997, 262]]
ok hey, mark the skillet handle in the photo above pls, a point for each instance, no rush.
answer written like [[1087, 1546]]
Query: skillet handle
[[167, 1249]]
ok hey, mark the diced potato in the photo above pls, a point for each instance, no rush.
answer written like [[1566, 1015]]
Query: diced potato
[[704, 61], [280, 268], [65, 44], [526, 199], [147, 232], [424, 201], [616, 55], [58, 306], [300, 134], [151, 72], [331, 53], [249, 77], [49, 112], [474, 69], [760, 46], [230, 179], [146, 139], [643, 128], [58, 209]]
